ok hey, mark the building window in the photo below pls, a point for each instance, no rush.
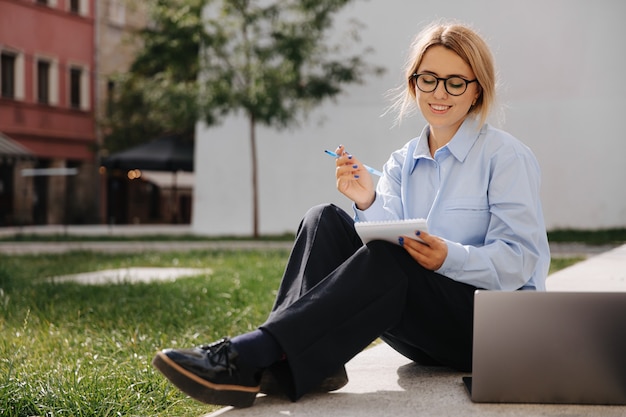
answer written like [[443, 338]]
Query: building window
[[11, 74], [79, 88], [49, 3], [7, 74], [43, 82], [75, 87], [79, 7], [117, 12]]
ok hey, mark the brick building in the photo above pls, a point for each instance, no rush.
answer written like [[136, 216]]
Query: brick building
[[58, 60], [47, 72]]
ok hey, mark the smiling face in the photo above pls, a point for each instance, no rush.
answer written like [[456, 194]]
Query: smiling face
[[444, 112]]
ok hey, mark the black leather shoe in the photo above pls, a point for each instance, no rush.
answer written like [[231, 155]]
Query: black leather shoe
[[210, 374], [270, 386]]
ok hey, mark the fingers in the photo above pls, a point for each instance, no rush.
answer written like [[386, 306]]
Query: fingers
[[353, 179], [431, 252], [348, 167]]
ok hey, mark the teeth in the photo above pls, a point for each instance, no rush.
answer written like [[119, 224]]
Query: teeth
[[439, 107]]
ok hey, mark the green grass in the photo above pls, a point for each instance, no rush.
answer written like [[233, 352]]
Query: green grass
[[74, 350], [560, 263], [589, 237]]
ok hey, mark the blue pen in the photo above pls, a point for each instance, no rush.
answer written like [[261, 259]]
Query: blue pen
[[370, 169]]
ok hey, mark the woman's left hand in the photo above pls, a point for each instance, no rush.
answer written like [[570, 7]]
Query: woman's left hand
[[431, 253]]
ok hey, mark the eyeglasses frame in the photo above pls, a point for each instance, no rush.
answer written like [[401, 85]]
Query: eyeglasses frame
[[415, 76]]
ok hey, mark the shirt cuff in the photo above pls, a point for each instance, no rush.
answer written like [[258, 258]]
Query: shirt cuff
[[373, 212], [453, 264]]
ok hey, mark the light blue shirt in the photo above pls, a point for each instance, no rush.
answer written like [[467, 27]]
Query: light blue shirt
[[480, 193]]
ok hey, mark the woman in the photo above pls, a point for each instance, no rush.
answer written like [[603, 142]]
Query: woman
[[478, 188]]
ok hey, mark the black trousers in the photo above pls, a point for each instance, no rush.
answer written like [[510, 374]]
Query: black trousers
[[338, 295]]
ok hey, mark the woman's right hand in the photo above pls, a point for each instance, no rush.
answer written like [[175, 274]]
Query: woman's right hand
[[353, 179]]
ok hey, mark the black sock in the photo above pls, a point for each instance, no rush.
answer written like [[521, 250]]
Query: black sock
[[257, 348]]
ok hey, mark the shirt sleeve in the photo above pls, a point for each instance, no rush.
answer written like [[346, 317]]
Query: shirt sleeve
[[388, 203]]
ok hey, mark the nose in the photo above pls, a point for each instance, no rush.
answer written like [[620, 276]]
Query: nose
[[440, 90]]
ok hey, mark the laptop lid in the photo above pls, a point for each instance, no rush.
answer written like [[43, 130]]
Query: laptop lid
[[549, 347]]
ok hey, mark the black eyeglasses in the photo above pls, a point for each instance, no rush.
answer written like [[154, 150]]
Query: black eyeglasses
[[427, 83]]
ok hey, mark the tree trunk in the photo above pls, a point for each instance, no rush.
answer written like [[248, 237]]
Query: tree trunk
[[255, 182]]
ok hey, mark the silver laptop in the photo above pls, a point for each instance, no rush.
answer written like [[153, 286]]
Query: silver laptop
[[549, 347]]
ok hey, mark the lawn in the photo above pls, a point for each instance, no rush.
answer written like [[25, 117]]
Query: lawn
[[73, 350]]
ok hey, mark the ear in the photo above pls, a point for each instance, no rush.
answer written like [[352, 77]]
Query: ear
[[477, 95]]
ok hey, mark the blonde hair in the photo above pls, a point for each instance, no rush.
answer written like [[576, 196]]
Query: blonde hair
[[468, 45]]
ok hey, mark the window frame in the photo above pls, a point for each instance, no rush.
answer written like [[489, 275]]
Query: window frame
[[78, 7], [16, 75], [43, 81], [7, 74], [117, 12], [74, 6], [74, 87], [46, 3], [78, 93]]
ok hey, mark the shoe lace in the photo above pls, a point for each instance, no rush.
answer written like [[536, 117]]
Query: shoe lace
[[220, 353]]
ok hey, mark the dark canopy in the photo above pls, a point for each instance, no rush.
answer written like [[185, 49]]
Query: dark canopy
[[12, 150], [167, 153]]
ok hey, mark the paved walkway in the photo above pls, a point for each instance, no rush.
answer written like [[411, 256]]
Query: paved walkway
[[95, 231], [98, 230], [127, 231], [15, 248], [558, 250], [384, 383], [603, 272], [23, 248]]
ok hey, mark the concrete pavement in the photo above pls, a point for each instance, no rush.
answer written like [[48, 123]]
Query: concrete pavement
[[603, 272], [128, 231], [558, 250], [98, 230], [32, 248], [384, 383], [156, 230]]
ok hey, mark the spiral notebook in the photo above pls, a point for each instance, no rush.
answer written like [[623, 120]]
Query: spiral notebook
[[390, 230]]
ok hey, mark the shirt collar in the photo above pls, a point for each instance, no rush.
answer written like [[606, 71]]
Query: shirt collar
[[460, 144], [421, 149], [465, 138]]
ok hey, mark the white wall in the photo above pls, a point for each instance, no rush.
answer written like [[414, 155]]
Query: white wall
[[561, 66]]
